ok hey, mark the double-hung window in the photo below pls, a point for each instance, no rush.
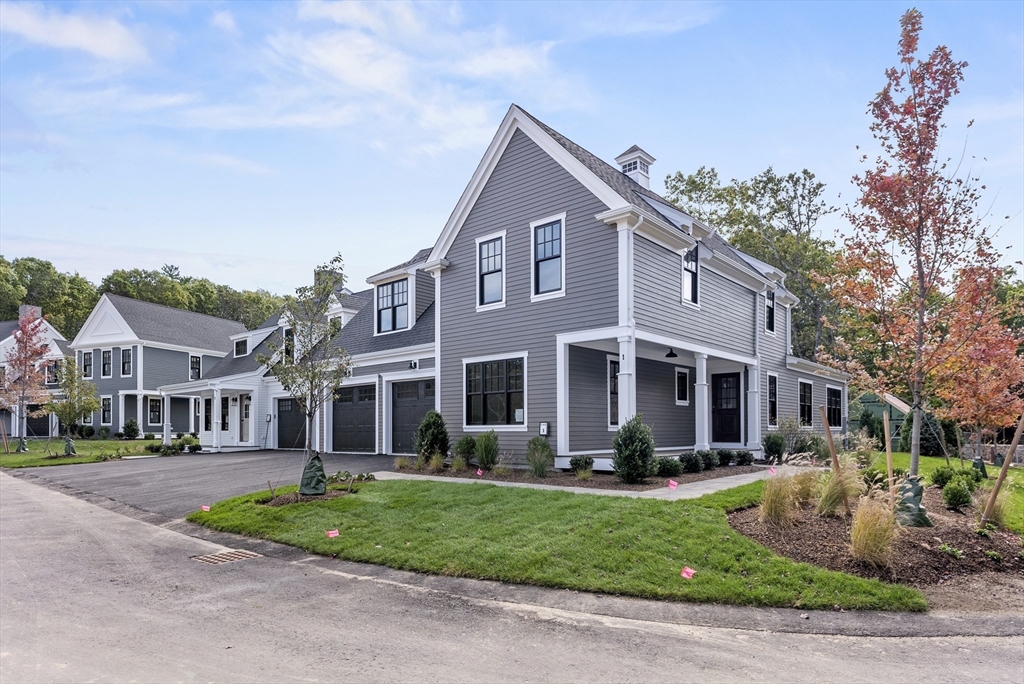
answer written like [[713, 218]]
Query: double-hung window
[[806, 404], [207, 414], [773, 400], [682, 387], [126, 362], [490, 267], [769, 311], [289, 343], [834, 407], [51, 372], [613, 393], [156, 407], [690, 276], [223, 413], [392, 306], [106, 408], [87, 365], [195, 367], [548, 257], [495, 392], [107, 363]]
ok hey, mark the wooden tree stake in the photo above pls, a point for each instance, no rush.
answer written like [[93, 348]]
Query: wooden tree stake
[[1002, 471], [832, 450], [888, 457]]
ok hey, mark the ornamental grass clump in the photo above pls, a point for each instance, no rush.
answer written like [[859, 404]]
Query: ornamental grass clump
[[583, 466], [487, 449], [803, 486], [458, 464], [436, 463], [633, 446], [539, 456], [873, 531], [837, 487], [778, 502], [692, 463], [402, 463]]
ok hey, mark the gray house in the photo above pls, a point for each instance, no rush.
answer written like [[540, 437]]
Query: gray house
[[130, 348]]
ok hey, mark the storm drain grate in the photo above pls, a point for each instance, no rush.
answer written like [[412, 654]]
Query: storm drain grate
[[226, 557]]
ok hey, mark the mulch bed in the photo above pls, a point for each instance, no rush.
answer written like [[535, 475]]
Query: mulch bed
[[916, 559], [596, 481], [295, 497]]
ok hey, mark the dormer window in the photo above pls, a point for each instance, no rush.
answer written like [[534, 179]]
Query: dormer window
[[289, 343], [241, 347], [690, 277], [393, 306]]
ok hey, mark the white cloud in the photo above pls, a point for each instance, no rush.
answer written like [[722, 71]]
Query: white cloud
[[226, 161], [225, 21], [101, 37]]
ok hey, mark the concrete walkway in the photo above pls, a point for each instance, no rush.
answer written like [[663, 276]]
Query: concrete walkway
[[684, 491]]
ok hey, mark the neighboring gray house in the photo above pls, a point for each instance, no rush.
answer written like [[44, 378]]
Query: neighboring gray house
[[130, 348], [57, 349]]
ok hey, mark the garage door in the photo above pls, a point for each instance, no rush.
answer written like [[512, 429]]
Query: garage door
[[291, 425], [410, 401], [355, 421], [37, 426]]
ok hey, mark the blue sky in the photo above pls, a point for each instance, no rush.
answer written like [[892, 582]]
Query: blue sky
[[249, 142]]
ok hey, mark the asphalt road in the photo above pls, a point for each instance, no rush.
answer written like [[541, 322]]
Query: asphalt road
[[88, 594]]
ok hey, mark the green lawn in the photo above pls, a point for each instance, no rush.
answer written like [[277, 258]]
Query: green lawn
[[89, 451], [614, 545], [1012, 492]]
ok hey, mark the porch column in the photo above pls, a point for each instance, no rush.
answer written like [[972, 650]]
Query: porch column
[[192, 414], [120, 413], [702, 403], [627, 378], [215, 418], [165, 402], [754, 407]]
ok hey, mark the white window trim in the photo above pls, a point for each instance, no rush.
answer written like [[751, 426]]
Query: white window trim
[[554, 294], [92, 361], [775, 307], [767, 398], [195, 356], [801, 382], [131, 362], [109, 398], [682, 282], [524, 355], [237, 355], [842, 407], [111, 350], [500, 304], [150, 400], [409, 303], [612, 427], [675, 386]]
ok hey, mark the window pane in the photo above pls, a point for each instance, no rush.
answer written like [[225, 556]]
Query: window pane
[[384, 323], [475, 409], [401, 316], [549, 275], [367, 393], [682, 387], [344, 395], [517, 412], [495, 409], [428, 389], [494, 376], [515, 374], [473, 384], [490, 288]]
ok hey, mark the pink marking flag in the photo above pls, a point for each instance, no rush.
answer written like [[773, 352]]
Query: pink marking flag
[[672, 484], [687, 572], [479, 472], [771, 471], [332, 533], [206, 508]]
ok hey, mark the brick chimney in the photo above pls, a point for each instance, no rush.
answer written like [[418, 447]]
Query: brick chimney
[[29, 311]]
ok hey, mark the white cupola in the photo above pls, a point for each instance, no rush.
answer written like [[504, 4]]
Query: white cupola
[[636, 164]]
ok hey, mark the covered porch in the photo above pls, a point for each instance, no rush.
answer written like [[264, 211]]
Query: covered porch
[[224, 413]]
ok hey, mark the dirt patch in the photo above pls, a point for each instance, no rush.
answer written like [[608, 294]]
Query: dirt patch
[[917, 559], [295, 497], [596, 481], [985, 592]]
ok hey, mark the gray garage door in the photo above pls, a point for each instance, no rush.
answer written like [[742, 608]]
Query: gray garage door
[[355, 421], [38, 426], [291, 425], [410, 401]]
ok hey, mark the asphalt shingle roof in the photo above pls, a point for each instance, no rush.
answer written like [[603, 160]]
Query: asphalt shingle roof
[[7, 329], [357, 337], [420, 256], [230, 365], [167, 325]]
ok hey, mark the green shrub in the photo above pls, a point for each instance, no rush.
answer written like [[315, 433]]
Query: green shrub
[[708, 458], [669, 467], [815, 445], [941, 476], [131, 429], [778, 503], [951, 550], [692, 463], [153, 448], [744, 458], [872, 424], [88, 431], [539, 456], [956, 494], [971, 475], [578, 464], [585, 474], [725, 457], [432, 435], [171, 449], [487, 449], [633, 446], [466, 448], [118, 435], [994, 555], [179, 435], [774, 446], [104, 432], [931, 434], [149, 435]]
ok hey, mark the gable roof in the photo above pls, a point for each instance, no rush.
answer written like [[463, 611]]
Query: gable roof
[[167, 325], [232, 365], [357, 336], [421, 255]]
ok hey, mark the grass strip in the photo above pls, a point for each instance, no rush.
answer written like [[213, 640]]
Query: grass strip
[[613, 545], [89, 451]]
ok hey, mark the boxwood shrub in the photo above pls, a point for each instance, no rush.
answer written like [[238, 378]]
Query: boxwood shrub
[[692, 463], [710, 459], [633, 446]]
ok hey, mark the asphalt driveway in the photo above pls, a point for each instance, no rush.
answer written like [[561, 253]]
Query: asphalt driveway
[[174, 486]]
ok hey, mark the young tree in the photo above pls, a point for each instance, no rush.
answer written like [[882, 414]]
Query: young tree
[[915, 227], [22, 381], [77, 396], [311, 365]]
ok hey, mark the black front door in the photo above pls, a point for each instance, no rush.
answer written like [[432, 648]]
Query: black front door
[[725, 408]]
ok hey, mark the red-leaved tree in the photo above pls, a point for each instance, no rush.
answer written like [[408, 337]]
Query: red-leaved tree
[[22, 385], [919, 264]]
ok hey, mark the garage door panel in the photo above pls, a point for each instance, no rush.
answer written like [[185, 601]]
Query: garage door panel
[[355, 424], [291, 425], [410, 401]]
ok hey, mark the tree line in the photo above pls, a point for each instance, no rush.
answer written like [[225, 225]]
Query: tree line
[[67, 299]]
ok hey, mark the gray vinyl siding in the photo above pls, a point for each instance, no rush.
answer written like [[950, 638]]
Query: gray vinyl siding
[[526, 185], [131, 408], [164, 367], [179, 415], [156, 428], [672, 425], [426, 363], [588, 400], [424, 292], [111, 387], [725, 318], [208, 363]]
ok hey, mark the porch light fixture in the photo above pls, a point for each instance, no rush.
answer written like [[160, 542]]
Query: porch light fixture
[[671, 354], [234, 400], [412, 365]]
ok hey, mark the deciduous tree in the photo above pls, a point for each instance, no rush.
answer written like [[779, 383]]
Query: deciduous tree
[[21, 384], [77, 396]]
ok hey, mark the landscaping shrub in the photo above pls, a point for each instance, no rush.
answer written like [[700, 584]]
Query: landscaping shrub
[[837, 486], [153, 448], [709, 459], [872, 424], [432, 435], [941, 476], [88, 431], [778, 503], [539, 456], [459, 463], [815, 445], [803, 486], [420, 464], [118, 435], [744, 458], [633, 445], [149, 435], [692, 463], [436, 462], [402, 463], [179, 435], [971, 475], [931, 433], [774, 446], [725, 457], [466, 448], [585, 474], [581, 463], [131, 429], [669, 467], [873, 531], [487, 449], [956, 494], [104, 432], [171, 449]]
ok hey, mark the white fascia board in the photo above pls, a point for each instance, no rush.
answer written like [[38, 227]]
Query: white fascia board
[[394, 274], [786, 298], [515, 120], [249, 380], [84, 338], [805, 366], [173, 347], [649, 226], [390, 355], [727, 269], [677, 343]]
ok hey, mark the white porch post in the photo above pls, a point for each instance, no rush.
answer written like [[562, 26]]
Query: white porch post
[[754, 407], [627, 378], [120, 412], [192, 414], [215, 418], [15, 422], [702, 403], [165, 402]]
